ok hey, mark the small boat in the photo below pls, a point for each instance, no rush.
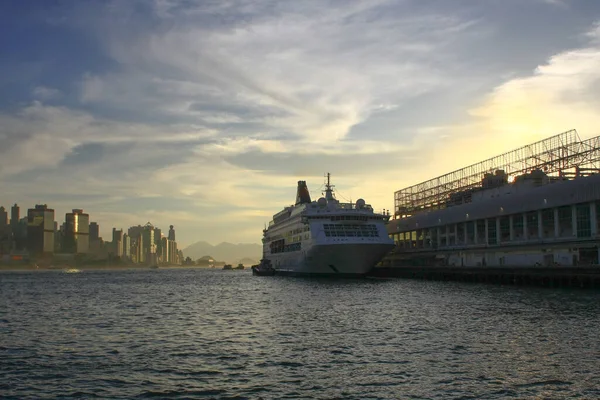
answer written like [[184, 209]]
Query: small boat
[[264, 268], [227, 266], [239, 266]]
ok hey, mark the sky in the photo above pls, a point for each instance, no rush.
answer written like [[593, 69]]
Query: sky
[[205, 114]]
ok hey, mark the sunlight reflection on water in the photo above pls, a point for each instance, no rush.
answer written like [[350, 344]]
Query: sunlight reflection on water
[[193, 333]]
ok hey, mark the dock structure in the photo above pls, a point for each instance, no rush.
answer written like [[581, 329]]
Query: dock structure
[[536, 206]]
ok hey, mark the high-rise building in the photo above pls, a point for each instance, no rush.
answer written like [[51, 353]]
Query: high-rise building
[[126, 246], [158, 242], [14, 217], [149, 247], [77, 232], [94, 231], [171, 236], [6, 241], [172, 252], [19, 232], [117, 242], [3, 217], [40, 230], [59, 238], [139, 249]]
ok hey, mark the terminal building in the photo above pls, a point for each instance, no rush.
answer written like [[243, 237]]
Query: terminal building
[[536, 205]]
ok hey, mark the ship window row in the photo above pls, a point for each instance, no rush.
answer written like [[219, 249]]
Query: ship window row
[[299, 238], [339, 230], [346, 217], [288, 234], [286, 248]]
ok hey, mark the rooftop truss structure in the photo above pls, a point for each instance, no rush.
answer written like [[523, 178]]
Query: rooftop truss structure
[[563, 155]]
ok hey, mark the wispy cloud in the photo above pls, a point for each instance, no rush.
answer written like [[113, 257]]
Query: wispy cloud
[[206, 113]]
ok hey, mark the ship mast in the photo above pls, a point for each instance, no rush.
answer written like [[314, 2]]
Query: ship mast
[[329, 188]]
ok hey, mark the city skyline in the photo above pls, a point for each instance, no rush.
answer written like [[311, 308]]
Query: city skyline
[[39, 234], [205, 115]]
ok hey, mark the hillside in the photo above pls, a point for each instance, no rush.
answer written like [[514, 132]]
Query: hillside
[[228, 252]]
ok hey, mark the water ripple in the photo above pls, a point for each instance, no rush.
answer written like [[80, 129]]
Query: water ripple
[[189, 334]]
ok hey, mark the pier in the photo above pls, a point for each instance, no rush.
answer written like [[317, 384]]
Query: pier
[[531, 216], [555, 277]]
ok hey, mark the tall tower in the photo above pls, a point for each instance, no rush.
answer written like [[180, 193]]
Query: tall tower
[[171, 233], [14, 218], [94, 231], [77, 232], [40, 230], [117, 242], [149, 248], [126, 246], [3, 217]]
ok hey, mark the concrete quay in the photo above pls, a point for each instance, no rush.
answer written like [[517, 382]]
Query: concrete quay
[[553, 277]]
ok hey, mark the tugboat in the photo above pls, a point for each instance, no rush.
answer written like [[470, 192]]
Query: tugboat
[[227, 266], [264, 268], [239, 266]]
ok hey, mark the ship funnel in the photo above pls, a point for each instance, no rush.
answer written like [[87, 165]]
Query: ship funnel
[[302, 195]]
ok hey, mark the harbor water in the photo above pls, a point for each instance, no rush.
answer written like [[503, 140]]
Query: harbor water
[[205, 333]]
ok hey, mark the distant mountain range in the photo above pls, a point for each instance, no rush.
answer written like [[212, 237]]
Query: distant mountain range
[[228, 252]]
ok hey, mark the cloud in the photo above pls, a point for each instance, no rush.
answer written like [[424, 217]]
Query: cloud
[[45, 93], [321, 69], [207, 113], [561, 94]]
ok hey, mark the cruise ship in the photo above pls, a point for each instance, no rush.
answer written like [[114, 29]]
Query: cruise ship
[[326, 237]]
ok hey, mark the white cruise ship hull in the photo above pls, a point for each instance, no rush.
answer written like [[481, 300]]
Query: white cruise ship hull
[[331, 259]]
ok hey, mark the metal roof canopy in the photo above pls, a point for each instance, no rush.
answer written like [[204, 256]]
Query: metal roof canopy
[[562, 155]]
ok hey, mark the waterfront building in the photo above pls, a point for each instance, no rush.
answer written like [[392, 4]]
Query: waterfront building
[[40, 230], [540, 206], [164, 255], [94, 231], [149, 245], [139, 250], [3, 217], [59, 236], [117, 242], [126, 246], [6, 240], [173, 255], [19, 232], [135, 231], [14, 217], [158, 243], [76, 232]]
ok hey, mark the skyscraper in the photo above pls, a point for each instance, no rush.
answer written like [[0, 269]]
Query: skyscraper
[[94, 231], [164, 250], [149, 247], [14, 217], [117, 242], [171, 233], [172, 252], [126, 246], [3, 217], [77, 232], [6, 242], [40, 230]]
